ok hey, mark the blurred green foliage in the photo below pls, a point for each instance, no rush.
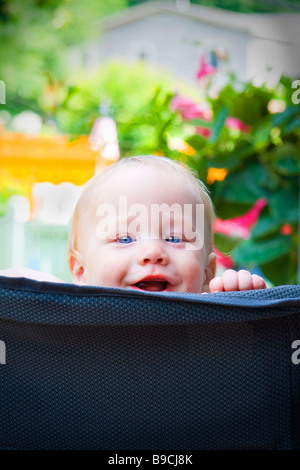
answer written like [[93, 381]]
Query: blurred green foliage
[[243, 6], [35, 36], [137, 97], [252, 6]]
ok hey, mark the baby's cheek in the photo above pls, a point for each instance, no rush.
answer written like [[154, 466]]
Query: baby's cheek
[[111, 273], [194, 275]]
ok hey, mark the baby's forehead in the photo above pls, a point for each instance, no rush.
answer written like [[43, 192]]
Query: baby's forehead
[[143, 184], [137, 179]]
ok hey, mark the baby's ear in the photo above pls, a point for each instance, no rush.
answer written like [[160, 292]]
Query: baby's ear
[[76, 268], [210, 270]]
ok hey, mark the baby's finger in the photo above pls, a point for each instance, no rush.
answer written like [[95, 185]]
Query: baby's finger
[[230, 280], [258, 282], [216, 284], [244, 280]]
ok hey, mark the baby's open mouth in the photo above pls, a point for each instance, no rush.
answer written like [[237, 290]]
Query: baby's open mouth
[[154, 286]]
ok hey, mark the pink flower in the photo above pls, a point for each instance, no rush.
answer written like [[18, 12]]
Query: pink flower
[[205, 68], [240, 226], [231, 229], [188, 109], [235, 123], [204, 131], [224, 260], [250, 218]]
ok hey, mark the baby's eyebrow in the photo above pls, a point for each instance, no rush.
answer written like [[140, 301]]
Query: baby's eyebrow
[[169, 216], [123, 219]]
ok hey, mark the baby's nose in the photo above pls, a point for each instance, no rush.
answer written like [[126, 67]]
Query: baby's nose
[[153, 251]]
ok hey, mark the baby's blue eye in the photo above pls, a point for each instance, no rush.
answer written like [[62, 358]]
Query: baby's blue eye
[[173, 239], [125, 239]]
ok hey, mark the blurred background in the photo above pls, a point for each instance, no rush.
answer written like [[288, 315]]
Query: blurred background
[[214, 84]]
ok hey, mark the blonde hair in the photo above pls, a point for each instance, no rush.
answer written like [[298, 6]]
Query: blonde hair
[[91, 191]]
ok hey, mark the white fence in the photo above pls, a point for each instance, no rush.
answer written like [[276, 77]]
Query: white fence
[[34, 245]]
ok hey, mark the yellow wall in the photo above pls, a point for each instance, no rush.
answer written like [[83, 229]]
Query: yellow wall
[[47, 158]]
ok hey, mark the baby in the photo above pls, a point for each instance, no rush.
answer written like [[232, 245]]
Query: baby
[[146, 224]]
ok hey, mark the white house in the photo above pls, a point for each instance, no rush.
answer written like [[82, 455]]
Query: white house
[[173, 35]]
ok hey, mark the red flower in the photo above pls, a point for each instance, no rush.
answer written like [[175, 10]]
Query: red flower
[[235, 123], [240, 226], [231, 229], [188, 109], [205, 68], [204, 131], [286, 229]]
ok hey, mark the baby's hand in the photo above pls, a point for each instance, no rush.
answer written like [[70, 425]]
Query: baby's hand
[[236, 280]]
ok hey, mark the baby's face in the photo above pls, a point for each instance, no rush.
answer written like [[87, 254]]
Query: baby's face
[[128, 244]]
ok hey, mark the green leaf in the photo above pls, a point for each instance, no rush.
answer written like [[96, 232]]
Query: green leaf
[[227, 211], [167, 99], [262, 137], [248, 184], [279, 271], [218, 124], [285, 81], [285, 159], [256, 252], [225, 244], [266, 225], [196, 141], [201, 122], [284, 205], [280, 118], [291, 126], [228, 160]]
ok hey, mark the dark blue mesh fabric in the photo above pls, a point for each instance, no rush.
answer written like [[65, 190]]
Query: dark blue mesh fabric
[[103, 368]]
